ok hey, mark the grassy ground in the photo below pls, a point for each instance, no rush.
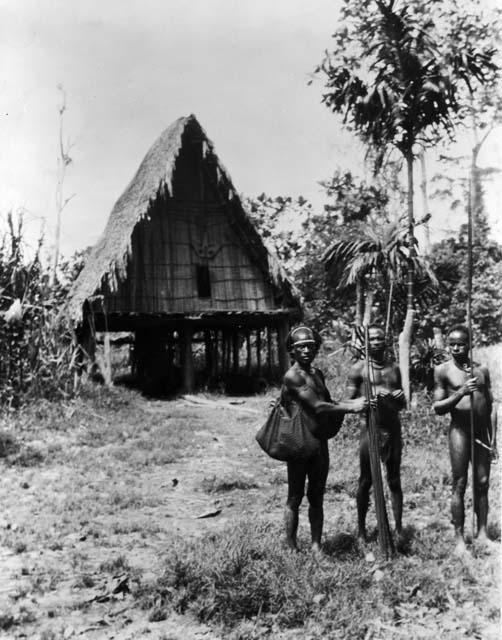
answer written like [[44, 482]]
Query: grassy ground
[[130, 518]]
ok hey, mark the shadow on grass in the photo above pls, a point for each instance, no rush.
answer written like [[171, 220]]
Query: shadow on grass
[[342, 546], [404, 545], [494, 531]]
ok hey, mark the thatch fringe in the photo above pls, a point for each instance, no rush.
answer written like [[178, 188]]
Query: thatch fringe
[[108, 260]]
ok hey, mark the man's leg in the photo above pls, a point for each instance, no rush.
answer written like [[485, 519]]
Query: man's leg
[[363, 491], [459, 457], [482, 476], [393, 466], [296, 487], [317, 475]]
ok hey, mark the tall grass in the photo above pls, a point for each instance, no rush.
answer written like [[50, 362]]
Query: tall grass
[[35, 343]]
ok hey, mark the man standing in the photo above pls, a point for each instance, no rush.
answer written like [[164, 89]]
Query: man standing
[[455, 391], [305, 385], [388, 398]]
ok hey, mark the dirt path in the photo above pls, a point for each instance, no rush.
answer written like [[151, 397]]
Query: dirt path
[[92, 517], [62, 558]]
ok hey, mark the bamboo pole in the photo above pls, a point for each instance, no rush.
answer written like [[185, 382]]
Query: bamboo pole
[[471, 367], [384, 535]]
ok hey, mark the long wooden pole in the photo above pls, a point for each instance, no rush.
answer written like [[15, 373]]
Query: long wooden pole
[[471, 366], [384, 535]]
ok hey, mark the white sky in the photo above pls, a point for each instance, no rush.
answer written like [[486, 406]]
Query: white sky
[[131, 67]]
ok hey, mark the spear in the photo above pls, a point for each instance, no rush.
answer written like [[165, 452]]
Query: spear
[[471, 366], [384, 535]]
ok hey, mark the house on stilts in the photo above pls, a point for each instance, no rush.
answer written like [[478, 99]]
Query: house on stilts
[[181, 266]]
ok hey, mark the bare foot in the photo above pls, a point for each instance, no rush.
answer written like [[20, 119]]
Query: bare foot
[[362, 535], [317, 550], [484, 541], [460, 548], [399, 539]]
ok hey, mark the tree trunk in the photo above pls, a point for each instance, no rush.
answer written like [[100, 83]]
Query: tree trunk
[[389, 306], [407, 334], [425, 202], [475, 186], [404, 353], [359, 302], [368, 304], [61, 202]]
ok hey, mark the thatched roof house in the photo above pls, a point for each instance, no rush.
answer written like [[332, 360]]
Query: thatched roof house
[[180, 256]]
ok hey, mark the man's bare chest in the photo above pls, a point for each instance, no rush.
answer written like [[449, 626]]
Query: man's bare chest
[[457, 377], [384, 376]]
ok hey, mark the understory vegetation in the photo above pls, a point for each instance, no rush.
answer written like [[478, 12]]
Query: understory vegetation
[[36, 341]]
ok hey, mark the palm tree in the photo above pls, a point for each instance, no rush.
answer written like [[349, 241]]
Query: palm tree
[[405, 98], [378, 256]]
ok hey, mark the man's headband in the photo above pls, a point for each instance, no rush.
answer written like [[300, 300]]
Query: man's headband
[[305, 330]]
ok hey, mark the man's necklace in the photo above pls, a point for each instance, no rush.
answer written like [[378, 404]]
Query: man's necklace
[[465, 367]]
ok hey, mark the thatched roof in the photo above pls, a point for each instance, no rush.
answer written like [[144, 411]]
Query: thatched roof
[[108, 260]]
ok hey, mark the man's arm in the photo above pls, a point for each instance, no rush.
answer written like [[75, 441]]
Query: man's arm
[[493, 413], [443, 403], [396, 397], [323, 380], [354, 382], [355, 402], [308, 397]]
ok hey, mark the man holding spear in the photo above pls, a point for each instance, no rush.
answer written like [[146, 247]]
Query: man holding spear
[[382, 381], [464, 390]]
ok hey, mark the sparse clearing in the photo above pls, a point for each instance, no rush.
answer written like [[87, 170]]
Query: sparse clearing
[[101, 494]]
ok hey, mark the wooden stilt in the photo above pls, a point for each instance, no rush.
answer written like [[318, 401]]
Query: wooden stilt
[[248, 352], [213, 348], [270, 363], [208, 352], [228, 340], [187, 359], [224, 353], [235, 352], [282, 334], [106, 368], [87, 346], [258, 352]]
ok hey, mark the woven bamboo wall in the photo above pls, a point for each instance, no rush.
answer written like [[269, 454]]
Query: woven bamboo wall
[[194, 227]]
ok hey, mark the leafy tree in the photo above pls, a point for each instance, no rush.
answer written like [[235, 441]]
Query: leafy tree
[[301, 235], [449, 261], [279, 222], [469, 28], [386, 78]]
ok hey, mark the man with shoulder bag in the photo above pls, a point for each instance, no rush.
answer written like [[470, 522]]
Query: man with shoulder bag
[[304, 389]]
